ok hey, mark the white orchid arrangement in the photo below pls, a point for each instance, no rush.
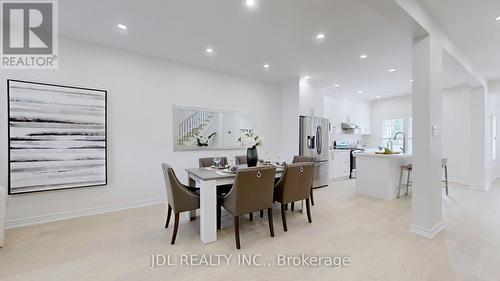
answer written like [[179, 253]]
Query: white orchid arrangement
[[251, 139], [202, 140]]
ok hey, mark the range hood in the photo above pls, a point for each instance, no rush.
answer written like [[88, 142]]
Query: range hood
[[349, 126]]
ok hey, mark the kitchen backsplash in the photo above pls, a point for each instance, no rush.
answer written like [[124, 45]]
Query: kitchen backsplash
[[353, 140]]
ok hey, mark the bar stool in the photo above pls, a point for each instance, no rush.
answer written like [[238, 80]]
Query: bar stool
[[408, 168]]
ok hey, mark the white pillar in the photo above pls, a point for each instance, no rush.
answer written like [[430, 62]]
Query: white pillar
[[290, 107], [426, 175]]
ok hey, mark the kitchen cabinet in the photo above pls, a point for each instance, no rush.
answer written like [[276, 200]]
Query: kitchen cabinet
[[342, 109], [340, 163]]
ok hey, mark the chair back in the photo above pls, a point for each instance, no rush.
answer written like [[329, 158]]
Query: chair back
[[303, 159], [209, 161], [240, 160], [252, 191], [178, 196], [296, 183]]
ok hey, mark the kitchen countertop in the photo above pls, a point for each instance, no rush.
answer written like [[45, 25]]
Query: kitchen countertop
[[373, 154]]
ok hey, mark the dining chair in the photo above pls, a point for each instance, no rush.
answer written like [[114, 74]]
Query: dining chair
[[252, 191], [294, 185], [209, 161], [240, 160], [304, 159], [181, 198]]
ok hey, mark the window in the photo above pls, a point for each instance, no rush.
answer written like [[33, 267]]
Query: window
[[389, 129]]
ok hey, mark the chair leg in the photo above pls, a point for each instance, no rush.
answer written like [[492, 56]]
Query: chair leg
[[292, 206], [286, 207], [283, 216], [169, 213], [270, 219], [446, 178], [219, 211], [400, 182], [308, 207], [176, 227], [261, 213], [312, 197], [408, 182], [237, 231], [251, 216]]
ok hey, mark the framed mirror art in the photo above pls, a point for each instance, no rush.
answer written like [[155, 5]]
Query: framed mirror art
[[197, 128]]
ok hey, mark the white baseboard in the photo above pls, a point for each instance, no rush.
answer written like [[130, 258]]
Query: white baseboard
[[81, 213], [480, 188], [427, 233]]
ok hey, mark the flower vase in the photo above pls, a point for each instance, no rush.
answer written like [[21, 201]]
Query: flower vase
[[252, 157]]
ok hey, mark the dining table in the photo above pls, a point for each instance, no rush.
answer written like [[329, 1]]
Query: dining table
[[207, 179]]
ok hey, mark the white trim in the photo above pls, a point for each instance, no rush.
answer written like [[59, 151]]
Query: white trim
[[427, 233], [480, 188], [14, 223]]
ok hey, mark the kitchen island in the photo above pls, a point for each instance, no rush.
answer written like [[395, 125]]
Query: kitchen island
[[378, 174]]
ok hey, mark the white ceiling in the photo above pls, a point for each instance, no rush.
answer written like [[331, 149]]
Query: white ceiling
[[278, 32], [472, 26]]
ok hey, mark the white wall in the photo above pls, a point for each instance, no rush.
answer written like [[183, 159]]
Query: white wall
[[456, 128], [290, 111], [494, 87], [141, 93], [393, 108], [459, 130], [311, 100]]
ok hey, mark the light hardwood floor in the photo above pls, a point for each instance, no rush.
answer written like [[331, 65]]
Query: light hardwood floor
[[374, 233]]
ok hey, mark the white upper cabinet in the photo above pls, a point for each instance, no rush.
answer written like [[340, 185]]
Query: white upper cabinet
[[343, 109]]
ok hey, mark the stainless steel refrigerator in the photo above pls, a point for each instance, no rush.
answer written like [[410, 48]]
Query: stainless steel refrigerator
[[313, 142]]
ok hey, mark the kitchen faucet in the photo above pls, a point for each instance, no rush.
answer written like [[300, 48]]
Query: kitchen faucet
[[404, 140]]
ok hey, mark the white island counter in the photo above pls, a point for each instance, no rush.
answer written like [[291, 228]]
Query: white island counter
[[378, 174]]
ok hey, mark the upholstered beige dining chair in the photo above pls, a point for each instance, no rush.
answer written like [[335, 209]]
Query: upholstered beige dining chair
[[252, 191], [294, 185], [305, 159], [240, 160], [209, 161], [180, 198]]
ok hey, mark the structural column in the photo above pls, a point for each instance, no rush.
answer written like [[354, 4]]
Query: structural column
[[426, 175]]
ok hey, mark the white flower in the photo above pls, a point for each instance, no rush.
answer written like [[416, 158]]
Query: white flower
[[250, 139]]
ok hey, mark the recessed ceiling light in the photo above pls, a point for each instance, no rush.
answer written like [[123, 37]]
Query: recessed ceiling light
[[121, 26], [250, 3], [392, 70], [412, 80], [377, 97], [266, 66], [209, 50], [363, 56], [360, 92], [320, 36], [498, 18], [336, 85]]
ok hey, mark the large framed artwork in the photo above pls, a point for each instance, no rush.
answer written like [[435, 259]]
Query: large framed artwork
[[57, 137]]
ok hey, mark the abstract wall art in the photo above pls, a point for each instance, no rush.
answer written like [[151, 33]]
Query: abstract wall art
[[57, 137]]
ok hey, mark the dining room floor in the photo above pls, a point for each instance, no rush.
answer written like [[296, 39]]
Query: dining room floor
[[373, 233]]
